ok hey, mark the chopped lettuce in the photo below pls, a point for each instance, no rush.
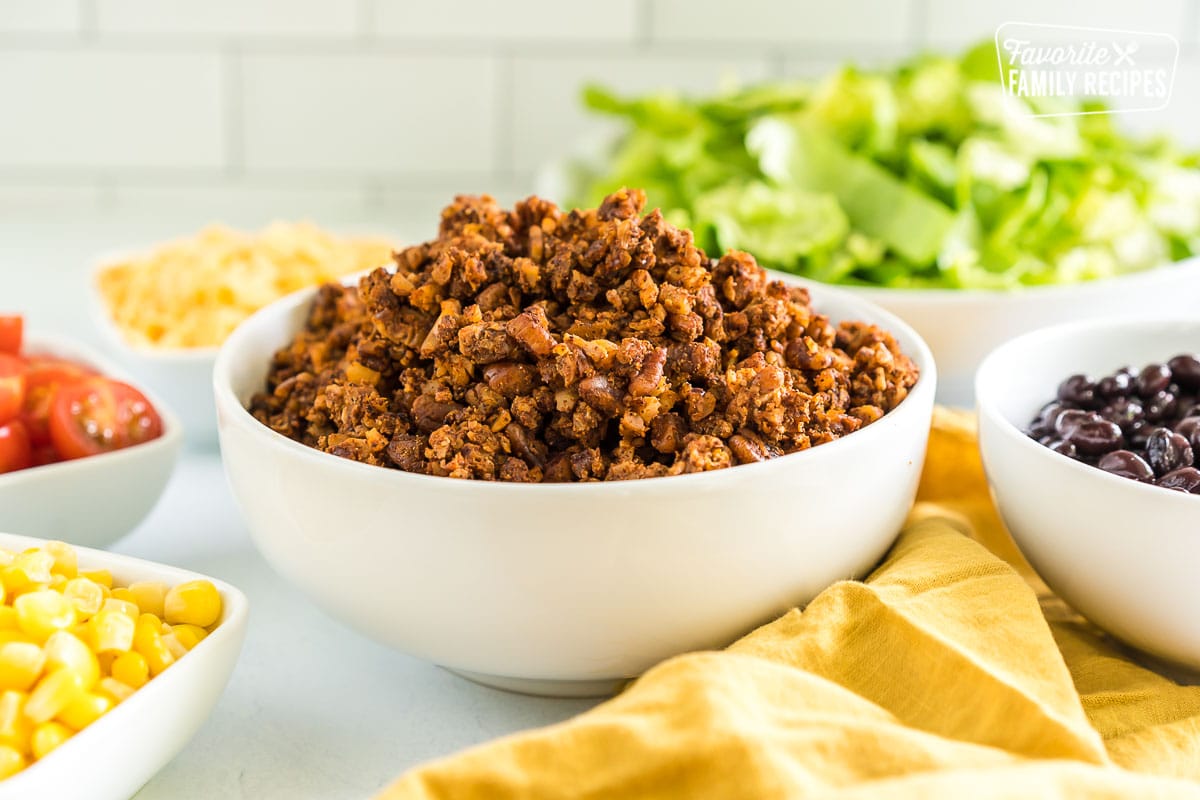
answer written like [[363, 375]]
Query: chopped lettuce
[[927, 175]]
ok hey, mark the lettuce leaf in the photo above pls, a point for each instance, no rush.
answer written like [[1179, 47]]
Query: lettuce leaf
[[925, 175]]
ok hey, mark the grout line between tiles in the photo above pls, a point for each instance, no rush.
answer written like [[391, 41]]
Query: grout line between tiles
[[918, 23], [365, 24], [1191, 26], [233, 105], [643, 30], [316, 46], [504, 115], [89, 28]]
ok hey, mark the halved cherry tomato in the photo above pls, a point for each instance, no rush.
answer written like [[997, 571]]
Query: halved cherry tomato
[[44, 454], [96, 415], [15, 452], [43, 376], [11, 328], [12, 386]]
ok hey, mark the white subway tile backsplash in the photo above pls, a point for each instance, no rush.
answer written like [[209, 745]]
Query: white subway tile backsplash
[[368, 114], [384, 109], [957, 23], [228, 17], [548, 112], [25, 200], [39, 16], [92, 110], [243, 203], [771, 21], [549, 21]]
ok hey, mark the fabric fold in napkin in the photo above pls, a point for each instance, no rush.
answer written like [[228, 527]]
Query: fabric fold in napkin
[[941, 675]]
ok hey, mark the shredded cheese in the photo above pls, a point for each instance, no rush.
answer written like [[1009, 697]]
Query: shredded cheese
[[193, 292]]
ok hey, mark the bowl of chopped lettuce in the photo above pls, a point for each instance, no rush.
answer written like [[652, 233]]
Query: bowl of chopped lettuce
[[924, 187]]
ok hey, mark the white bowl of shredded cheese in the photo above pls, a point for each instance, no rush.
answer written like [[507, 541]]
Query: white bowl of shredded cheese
[[165, 310]]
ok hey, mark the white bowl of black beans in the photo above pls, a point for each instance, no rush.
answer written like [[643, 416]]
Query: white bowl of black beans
[[1090, 433]]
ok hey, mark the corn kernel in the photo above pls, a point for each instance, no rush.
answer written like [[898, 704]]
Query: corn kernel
[[21, 664], [48, 736], [65, 563], [6, 557], [15, 727], [112, 631], [57, 582], [126, 607], [112, 687], [41, 613], [29, 571], [8, 614], [193, 603], [175, 646], [85, 632], [11, 761], [15, 636], [51, 695], [131, 669], [149, 596], [148, 640], [189, 635], [66, 652], [86, 595], [84, 710], [100, 576]]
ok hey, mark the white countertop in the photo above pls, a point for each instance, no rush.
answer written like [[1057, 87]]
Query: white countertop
[[314, 710]]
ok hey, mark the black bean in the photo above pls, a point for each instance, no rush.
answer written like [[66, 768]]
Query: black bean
[[1127, 465], [1185, 479], [1068, 419], [1190, 428], [1160, 406], [1095, 436], [1138, 433], [1078, 391], [1124, 411], [1167, 451], [1066, 448], [1043, 424], [1119, 384], [1185, 369], [1153, 379]]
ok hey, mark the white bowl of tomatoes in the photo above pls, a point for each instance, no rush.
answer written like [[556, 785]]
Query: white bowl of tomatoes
[[84, 456]]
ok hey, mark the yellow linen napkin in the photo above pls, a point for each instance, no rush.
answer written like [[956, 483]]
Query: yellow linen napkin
[[941, 675]]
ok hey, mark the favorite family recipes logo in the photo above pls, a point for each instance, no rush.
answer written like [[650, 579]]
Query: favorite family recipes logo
[[1054, 67]]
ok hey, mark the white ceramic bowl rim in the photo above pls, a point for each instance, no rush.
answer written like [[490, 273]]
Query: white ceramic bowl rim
[[62, 346], [916, 349], [1077, 292], [985, 387]]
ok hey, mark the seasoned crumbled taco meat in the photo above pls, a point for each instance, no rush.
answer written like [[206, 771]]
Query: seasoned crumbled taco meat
[[538, 345]]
